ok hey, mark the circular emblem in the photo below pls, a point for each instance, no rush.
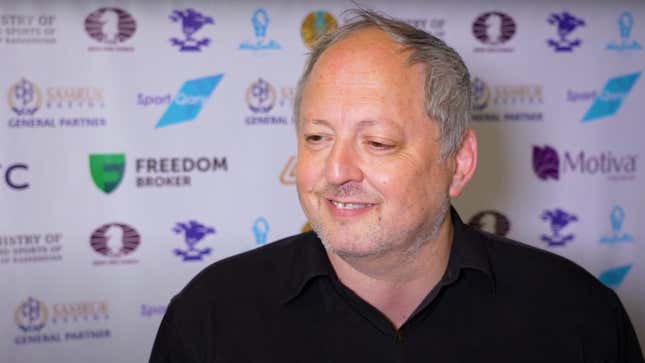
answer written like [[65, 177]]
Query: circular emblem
[[24, 97], [480, 94], [315, 25], [31, 315], [115, 239], [494, 28], [110, 25], [260, 96], [491, 221]]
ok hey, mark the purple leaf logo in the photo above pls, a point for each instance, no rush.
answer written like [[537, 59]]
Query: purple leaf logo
[[546, 163]]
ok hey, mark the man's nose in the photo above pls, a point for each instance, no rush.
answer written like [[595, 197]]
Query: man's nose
[[342, 164]]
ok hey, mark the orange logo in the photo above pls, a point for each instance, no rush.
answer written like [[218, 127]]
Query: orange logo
[[288, 174]]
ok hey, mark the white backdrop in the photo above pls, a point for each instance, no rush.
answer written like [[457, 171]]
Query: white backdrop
[[188, 117]]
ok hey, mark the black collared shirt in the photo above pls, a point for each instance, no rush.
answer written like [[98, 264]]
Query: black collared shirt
[[498, 301]]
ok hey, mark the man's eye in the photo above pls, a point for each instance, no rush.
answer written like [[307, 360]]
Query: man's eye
[[380, 145], [314, 138]]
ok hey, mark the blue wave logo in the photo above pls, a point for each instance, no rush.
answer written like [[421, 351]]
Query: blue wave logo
[[612, 96], [614, 277], [189, 101]]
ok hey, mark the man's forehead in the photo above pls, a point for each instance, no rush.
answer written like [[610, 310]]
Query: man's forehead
[[366, 47]]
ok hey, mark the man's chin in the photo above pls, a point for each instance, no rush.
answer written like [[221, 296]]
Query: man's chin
[[350, 248]]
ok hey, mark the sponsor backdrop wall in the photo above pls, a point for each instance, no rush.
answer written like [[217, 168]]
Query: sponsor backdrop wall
[[141, 141]]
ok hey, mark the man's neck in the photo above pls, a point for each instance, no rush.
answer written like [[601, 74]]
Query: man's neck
[[396, 283]]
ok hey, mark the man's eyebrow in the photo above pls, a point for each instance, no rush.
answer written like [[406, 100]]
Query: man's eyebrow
[[320, 122], [361, 124], [366, 123]]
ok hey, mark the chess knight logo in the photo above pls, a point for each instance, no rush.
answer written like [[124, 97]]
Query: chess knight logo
[[193, 232], [24, 97], [566, 24], [110, 25], [191, 22], [115, 240], [494, 28], [491, 221], [558, 219]]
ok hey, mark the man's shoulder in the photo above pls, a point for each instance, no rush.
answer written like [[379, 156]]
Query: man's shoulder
[[261, 269], [518, 267]]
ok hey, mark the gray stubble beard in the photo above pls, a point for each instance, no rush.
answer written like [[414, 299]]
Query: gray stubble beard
[[383, 247]]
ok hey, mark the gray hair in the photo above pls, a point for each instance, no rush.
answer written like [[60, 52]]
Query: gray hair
[[447, 81]]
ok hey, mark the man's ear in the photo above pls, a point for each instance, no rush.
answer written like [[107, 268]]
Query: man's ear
[[465, 163]]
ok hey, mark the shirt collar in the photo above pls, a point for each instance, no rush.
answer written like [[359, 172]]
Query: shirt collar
[[310, 260], [469, 250]]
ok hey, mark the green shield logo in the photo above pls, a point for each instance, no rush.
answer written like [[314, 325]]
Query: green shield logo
[[107, 170]]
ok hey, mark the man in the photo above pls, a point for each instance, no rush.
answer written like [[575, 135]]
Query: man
[[391, 274]]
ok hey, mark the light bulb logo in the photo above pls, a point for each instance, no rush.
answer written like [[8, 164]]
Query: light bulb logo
[[261, 230]]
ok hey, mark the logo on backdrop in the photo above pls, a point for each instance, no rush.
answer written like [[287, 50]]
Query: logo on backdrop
[[288, 173], [616, 219], [432, 26], [107, 171], [261, 230], [306, 228], [31, 315], [175, 171], [115, 241], [315, 25], [615, 276], [566, 24], [558, 219], [548, 164], [580, 96], [43, 324], [30, 248], [625, 24], [611, 97], [23, 29], [147, 100], [189, 101], [193, 232], [191, 22], [110, 27], [494, 29], [14, 175], [147, 311], [520, 99], [25, 99], [491, 221], [260, 21], [261, 98]]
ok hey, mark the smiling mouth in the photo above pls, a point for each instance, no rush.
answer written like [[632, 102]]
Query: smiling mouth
[[350, 205]]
